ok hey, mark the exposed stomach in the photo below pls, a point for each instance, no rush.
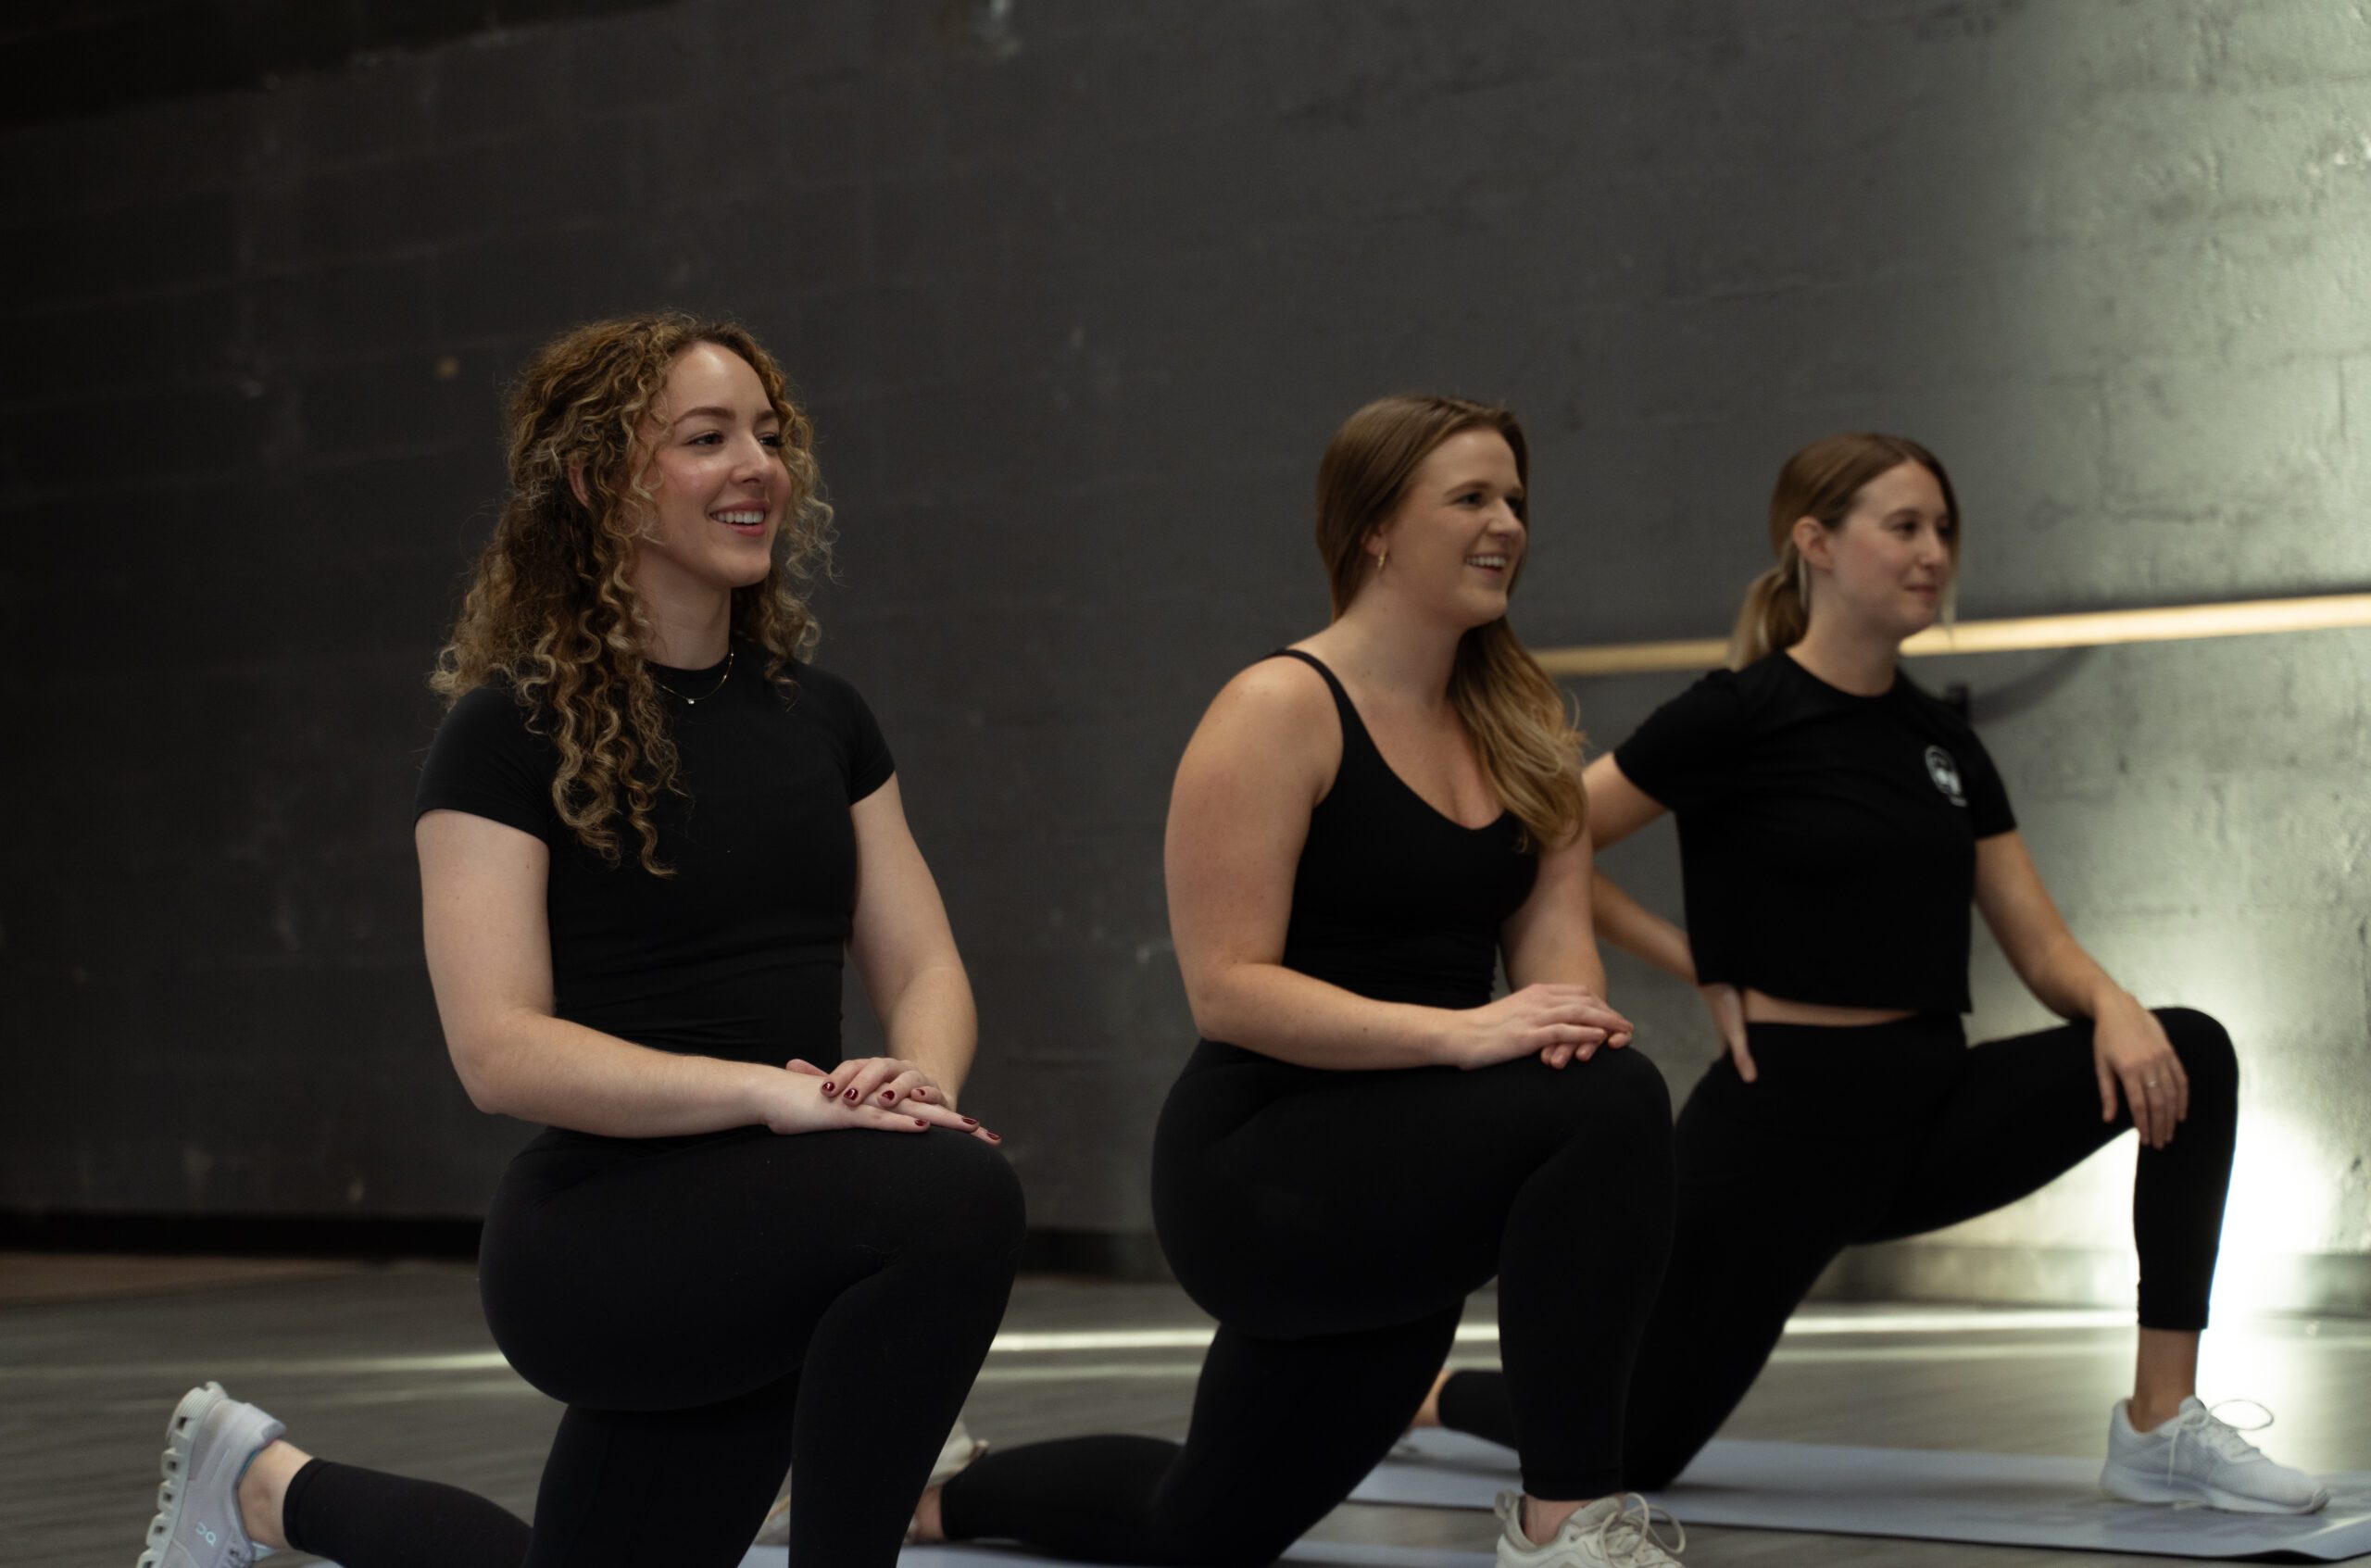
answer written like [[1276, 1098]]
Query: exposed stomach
[[1763, 1007]]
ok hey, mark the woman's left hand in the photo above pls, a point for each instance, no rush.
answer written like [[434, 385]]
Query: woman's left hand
[[888, 1083], [1561, 1057], [2129, 1051]]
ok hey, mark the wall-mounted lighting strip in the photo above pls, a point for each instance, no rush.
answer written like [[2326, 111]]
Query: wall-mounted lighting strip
[[2241, 618]]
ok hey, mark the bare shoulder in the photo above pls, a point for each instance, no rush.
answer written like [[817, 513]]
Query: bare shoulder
[[1277, 712], [1278, 691]]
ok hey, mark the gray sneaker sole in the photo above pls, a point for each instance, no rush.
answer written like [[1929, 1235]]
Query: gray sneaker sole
[[2133, 1487], [180, 1442], [177, 1465]]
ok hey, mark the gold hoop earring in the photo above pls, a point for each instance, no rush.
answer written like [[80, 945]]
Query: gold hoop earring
[[1381, 560]]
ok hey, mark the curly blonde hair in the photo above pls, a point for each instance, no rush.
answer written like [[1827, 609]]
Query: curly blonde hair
[[1520, 721], [551, 611]]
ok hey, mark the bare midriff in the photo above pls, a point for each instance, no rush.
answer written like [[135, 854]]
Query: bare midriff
[[1763, 1007]]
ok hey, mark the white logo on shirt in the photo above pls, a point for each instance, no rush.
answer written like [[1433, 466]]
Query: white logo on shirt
[[1945, 774]]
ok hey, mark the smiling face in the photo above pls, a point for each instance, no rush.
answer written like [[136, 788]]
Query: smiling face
[[717, 478], [1452, 546], [1887, 564]]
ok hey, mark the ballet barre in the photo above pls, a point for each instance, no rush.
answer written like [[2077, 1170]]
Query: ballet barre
[[2238, 618]]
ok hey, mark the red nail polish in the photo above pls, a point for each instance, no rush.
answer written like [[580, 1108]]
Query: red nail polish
[[996, 1138], [971, 1121], [849, 1097], [888, 1097], [920, 1122], [831, 1088]]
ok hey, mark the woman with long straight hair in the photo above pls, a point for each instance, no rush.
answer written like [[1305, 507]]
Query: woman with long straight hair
[[648, 830], [1836, 824], [1361, 827]]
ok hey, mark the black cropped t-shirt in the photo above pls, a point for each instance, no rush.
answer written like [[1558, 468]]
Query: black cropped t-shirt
[[1827, 840], [739, 954]]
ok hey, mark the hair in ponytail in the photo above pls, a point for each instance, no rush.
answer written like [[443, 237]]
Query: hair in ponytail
[[1819, 482]]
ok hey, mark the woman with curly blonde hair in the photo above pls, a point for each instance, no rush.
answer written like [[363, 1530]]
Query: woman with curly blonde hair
[[641, 860]]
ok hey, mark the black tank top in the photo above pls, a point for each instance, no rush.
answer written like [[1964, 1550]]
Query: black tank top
[[1391, 899]]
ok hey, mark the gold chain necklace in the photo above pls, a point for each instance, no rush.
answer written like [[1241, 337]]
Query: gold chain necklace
[[731, 654]]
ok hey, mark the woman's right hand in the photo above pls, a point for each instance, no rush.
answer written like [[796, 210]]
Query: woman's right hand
[[1557, 1023], [795, 1103], [1727, 1005]]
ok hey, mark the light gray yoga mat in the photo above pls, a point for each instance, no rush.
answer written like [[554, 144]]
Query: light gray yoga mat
[[2001, 1500], [1331, 1554]]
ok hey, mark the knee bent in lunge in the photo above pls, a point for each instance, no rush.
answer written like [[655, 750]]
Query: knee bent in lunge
[[974, 1200], [1619, 1089], [1615, 1103], [2204, 1046]]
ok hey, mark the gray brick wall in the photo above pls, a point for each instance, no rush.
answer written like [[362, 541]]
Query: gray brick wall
[[1077, 292]]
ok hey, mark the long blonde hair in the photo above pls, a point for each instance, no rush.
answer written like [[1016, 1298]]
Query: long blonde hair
[[1820, 481], [551, 611], [1520, 719]]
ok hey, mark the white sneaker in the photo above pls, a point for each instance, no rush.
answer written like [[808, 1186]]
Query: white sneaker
[[955, 1456], [1616, 1532], [2198, 1457], [208, 1445]]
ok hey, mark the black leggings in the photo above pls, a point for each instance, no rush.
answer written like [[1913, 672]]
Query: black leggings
[[710, 1309], [1334, 1223], [1871, 1134]]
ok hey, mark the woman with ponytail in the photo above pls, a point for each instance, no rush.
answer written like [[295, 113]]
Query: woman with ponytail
[[642, 860], [1360, 828], [1835, 824]]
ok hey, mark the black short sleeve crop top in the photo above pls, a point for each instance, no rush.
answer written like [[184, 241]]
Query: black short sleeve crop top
[[738, 954], [1828, 841]]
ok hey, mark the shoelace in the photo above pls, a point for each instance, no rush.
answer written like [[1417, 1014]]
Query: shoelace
[[2206, 1426], [1630, 1529]]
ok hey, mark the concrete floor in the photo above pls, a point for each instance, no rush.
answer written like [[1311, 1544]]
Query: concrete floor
[[390, 1366]]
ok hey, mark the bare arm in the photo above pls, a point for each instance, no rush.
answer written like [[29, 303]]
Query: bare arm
[[2033, 934], [1639, 932], [1238, 816], [1550, 940], [489, 959], [1618, 806], [2128, 1044], [1617, 809], [905, 951]]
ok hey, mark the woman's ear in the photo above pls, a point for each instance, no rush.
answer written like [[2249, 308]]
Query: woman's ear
[[576, 483], [1811, 538]]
